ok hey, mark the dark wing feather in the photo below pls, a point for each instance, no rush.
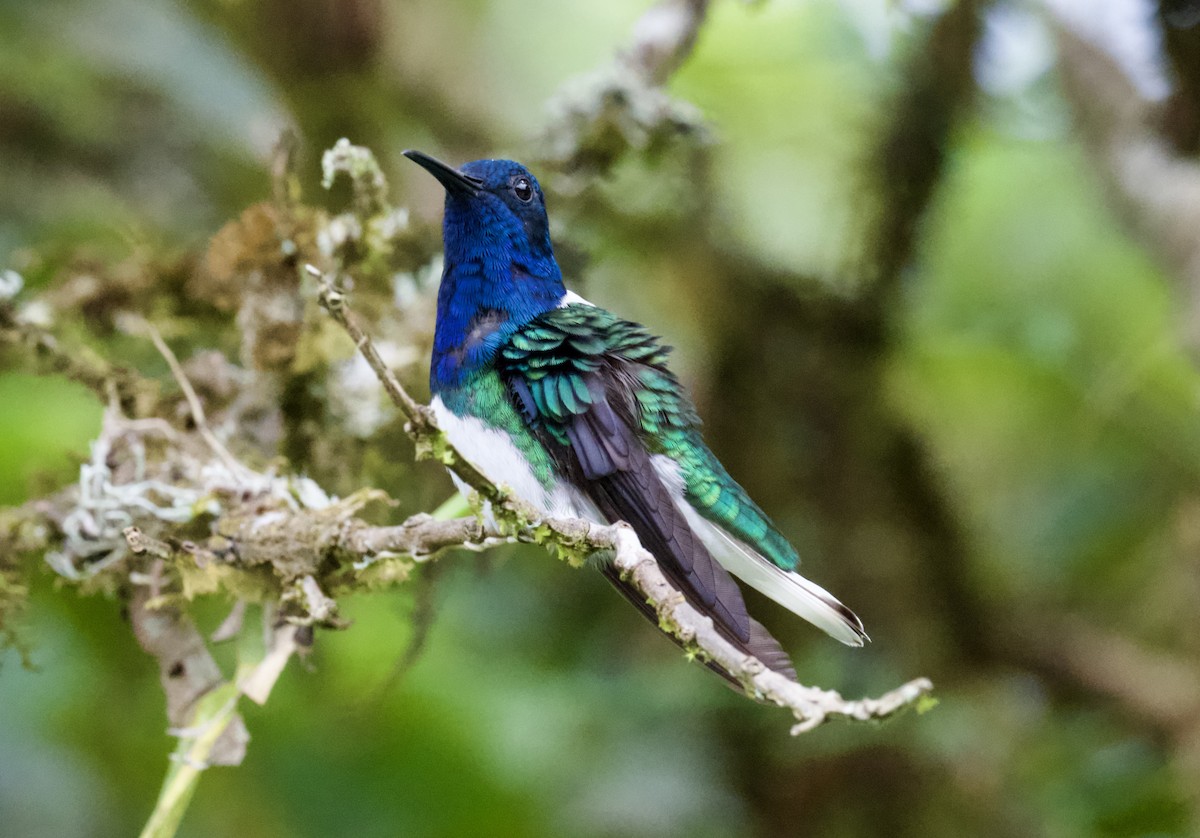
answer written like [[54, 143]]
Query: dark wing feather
[[566, 389], [637, 496]]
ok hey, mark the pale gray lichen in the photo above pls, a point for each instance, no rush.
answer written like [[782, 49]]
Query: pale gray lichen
[[595, 118], [359, 164], [11, 284], [342, 233]]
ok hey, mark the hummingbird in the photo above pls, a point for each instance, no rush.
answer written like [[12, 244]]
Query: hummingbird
[[575, 409]]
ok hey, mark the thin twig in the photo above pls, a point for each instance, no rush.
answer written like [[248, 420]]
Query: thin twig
[[333, 301], [189, 393], [422, 426]]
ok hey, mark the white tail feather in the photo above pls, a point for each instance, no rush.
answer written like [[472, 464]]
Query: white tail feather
[[791, 590]]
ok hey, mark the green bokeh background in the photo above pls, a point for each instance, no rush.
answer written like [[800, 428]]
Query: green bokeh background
[[1038, 360]]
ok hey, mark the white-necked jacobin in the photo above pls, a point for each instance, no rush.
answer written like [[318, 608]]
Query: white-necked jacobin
[[576, 411]]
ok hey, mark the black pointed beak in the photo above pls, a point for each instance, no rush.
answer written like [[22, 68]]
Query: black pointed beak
[[456, 182]]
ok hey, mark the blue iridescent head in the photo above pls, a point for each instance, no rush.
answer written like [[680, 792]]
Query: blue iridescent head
[[499, 272], [494, 204]]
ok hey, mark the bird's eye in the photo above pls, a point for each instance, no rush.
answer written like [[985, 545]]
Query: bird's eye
[[523, 189]]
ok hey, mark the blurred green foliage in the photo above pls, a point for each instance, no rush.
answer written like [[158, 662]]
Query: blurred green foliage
[[1085, 429], [45, 437], [1037, 359]]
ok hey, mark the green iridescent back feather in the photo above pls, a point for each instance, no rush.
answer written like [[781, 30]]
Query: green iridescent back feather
[[487, 398], [557, 352]]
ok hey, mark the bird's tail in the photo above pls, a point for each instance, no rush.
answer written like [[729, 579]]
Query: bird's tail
[[801, 596], [821, 608], [760, 644]]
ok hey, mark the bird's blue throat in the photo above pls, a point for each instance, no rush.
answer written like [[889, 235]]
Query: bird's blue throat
[[500, 272]]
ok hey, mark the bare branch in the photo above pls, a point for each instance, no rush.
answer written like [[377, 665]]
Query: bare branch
[[187, 671], [1158, 688], [257, 684]]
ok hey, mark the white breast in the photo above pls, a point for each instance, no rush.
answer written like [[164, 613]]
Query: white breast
[[492, 452]]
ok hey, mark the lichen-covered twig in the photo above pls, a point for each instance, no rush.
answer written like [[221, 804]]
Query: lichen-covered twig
[[811, 706], [595, 118]]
